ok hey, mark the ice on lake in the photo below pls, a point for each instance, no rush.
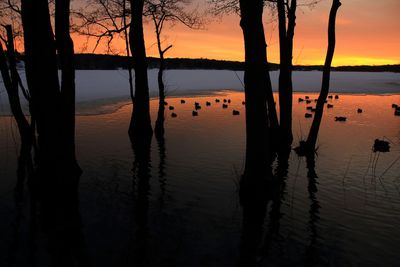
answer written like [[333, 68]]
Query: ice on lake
[[95, 88]]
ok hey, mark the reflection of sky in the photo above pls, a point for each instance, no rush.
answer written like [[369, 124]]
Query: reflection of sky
[[366, 34]]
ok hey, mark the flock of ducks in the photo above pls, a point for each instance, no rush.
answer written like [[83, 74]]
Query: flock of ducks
[[307, 100], [197, 107]]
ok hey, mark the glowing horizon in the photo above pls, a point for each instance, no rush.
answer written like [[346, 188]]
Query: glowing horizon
[[365, 35]]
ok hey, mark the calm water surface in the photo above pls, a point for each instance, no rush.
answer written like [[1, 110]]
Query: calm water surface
[[187, 211]]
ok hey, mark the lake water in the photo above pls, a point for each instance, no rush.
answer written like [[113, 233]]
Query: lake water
[[188, 211]]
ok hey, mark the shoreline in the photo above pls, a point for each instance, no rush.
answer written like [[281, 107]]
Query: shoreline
[[111, 105]]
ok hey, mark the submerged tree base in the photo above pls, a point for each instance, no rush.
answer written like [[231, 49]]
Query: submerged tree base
[[140, 128], [305, 149]]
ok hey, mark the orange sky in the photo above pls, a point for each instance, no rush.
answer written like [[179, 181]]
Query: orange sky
[[367, 34]]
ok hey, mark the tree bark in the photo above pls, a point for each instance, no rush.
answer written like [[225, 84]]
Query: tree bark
[[52, 106], [290, 33], [271, 106], [313, 134], [127, 52], [65, 49], [159, 128], [285, 70], [257, 89], [42, 78], [11, 85], [140, 126]]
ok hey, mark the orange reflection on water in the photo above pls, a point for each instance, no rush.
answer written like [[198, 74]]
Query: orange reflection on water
[[216, 125]]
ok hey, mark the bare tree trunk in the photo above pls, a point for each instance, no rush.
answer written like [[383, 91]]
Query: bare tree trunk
[[257, 88], [11, 85], [128, 53], [65, 48], [42, 79], [285, 69], [52, 107], [161, 86], [54, 110], [290, 35], [313, 134], [271, 106], [140, 126], [159, 128]]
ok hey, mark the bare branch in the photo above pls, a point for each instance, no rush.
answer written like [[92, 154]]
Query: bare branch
[[222, 7], [102, 20], [166, 49]]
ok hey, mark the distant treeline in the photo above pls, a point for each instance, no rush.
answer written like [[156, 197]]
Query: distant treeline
[[110, 62], [363, 68]]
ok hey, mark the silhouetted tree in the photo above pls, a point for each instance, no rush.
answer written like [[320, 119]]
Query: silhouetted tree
[[286, 10], [10, 14], [228, 6], [159, 127], [105, 20], [287, 23], [65, 51], [161, 12], [41, 67], [258, 171], [308, 146], [140, 126], [11, 80], [51, 105], [102, 21], [286, 34], [125, 13], [257, 88]]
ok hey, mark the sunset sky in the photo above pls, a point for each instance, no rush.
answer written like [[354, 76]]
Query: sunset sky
[[368, 33]]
